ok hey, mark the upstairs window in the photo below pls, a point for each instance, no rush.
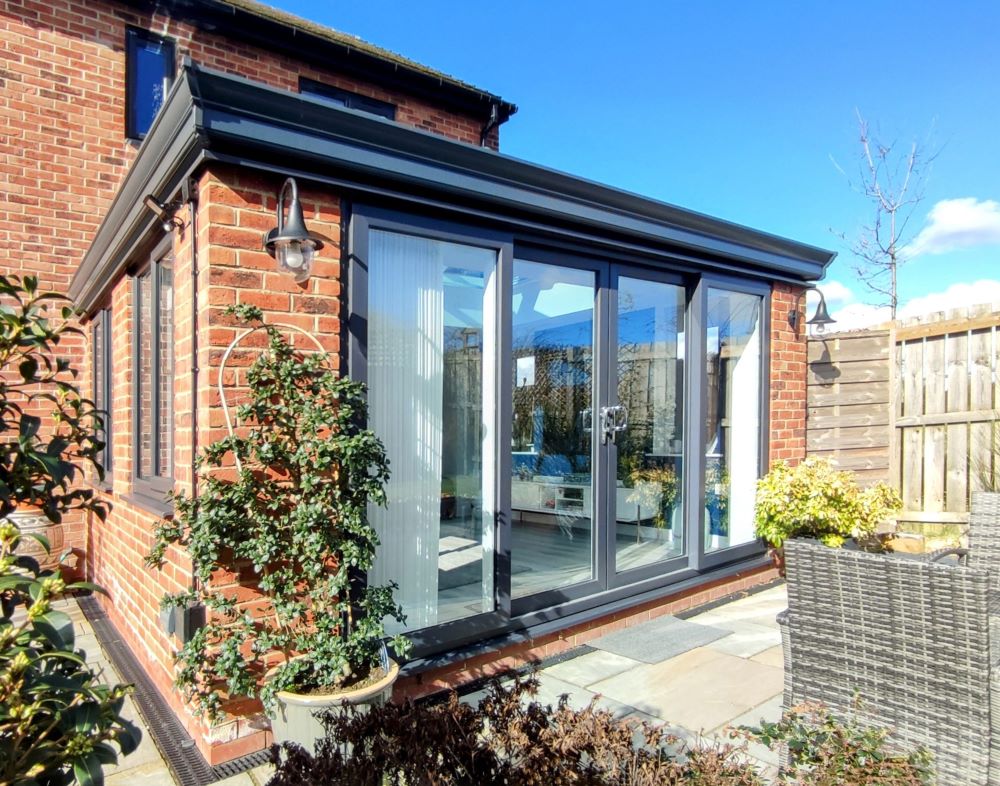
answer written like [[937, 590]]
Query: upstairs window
[[334, 95], [153, 380], [149, 72], [101, 338]]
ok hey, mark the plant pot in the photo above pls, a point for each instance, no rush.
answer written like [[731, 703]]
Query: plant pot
[[31, 521], [298, 716]]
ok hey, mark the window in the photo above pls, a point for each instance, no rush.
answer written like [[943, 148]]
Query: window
[[149, 72], [153, 379], [334, 95], [101, 337]]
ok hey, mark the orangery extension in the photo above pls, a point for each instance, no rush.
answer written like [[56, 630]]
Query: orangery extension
[[577, 387]]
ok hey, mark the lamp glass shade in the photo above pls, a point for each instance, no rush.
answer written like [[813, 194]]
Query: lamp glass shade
[[295, 257]]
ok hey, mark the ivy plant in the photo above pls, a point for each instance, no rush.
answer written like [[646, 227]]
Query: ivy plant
[[815, 500], [58, 722], [292, 520]]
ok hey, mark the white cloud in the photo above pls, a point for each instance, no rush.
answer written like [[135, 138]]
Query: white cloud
[[857, 316], [835, 292], [957, 223], [955, 296]]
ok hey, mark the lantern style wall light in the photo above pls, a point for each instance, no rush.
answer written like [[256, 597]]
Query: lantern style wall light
[[290, 243], [820, 320]]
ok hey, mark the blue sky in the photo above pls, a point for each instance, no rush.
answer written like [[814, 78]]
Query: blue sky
[[736, 109]]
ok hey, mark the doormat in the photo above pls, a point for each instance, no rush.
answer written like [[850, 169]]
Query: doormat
[[659, 639]]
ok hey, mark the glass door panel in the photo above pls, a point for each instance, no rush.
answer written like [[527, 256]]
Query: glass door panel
[[649, 423], [432, 381], [552, 450], [732, 422]]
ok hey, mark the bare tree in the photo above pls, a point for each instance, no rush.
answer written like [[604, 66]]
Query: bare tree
[[892, 178]]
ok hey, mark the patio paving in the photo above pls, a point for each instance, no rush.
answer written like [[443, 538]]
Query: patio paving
[[697, 676]]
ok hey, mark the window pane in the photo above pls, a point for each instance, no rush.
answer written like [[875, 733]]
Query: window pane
[[152, 63], [165, 370], [732, 438], [144, 380], [432, 398], [649, 523], [552, 483]]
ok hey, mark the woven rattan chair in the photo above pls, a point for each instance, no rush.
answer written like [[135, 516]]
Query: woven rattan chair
[[900, 643]]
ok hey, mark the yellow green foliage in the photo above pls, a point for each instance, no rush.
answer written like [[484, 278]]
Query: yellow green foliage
[[815, 500]]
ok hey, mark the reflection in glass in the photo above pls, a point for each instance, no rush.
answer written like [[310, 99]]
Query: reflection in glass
[[732, 423], [551, 487], [165, 417], [650, 370], [432, 399]]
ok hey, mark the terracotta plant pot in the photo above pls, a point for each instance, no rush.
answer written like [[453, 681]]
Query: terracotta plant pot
[[31, 521], [298, 716]]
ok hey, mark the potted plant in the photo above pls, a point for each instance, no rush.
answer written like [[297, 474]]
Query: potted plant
[[815, 500], [301, 631], [656, 488], [58, 722]]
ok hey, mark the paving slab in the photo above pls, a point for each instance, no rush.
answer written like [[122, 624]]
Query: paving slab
[[154, 774], [658, 640], [772, 657], [747, 639], [591, 667], [698, 690]]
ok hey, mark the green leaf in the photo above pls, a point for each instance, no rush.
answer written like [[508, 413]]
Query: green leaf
[[87, 586], [87, 771], [37, 536], [29, 427], [57, 627]]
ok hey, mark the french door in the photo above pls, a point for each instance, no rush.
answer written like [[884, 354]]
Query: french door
[[597, 491], [560, 429]]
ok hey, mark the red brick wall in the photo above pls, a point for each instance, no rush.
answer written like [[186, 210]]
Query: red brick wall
[[62, 105], [788, 376]]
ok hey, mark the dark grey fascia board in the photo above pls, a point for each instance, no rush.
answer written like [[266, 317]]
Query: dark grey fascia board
[[170, 150], [209, 113], [242, 114]]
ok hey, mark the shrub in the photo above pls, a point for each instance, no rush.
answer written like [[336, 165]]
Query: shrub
[[504, 740], [56, 718], [293, 515], [824, 751], [815, 500]]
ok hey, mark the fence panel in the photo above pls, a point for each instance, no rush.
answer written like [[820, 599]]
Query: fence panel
[[915, 404]]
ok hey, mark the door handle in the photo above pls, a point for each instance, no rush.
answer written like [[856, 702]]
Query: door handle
[[613, 420]]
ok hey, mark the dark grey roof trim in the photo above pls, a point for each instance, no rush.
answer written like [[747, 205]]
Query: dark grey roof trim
[[231, 116], [171, 149]]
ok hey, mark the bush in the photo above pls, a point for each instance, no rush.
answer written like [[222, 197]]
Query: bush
[[505, 740], [824, 751], [56, 718], [815, 500]]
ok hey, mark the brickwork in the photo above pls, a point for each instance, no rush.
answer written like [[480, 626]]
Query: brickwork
[[62, 107], [788, 376]]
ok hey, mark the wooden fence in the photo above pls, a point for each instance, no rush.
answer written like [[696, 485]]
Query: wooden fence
[[915, 404]]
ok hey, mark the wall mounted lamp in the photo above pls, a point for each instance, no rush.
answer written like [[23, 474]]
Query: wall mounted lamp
[[290, 243], [165, 212], [820, 320]]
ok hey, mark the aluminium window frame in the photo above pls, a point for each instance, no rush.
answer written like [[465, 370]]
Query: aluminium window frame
[[133, 37], [150, 492], [622, 590], [103, 395]]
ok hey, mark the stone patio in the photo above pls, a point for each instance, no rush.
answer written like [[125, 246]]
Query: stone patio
[[698, 676]]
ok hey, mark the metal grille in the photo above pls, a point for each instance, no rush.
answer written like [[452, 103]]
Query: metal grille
[[187, 766]]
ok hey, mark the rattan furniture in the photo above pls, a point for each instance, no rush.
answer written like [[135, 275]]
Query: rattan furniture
[[901, 643]]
